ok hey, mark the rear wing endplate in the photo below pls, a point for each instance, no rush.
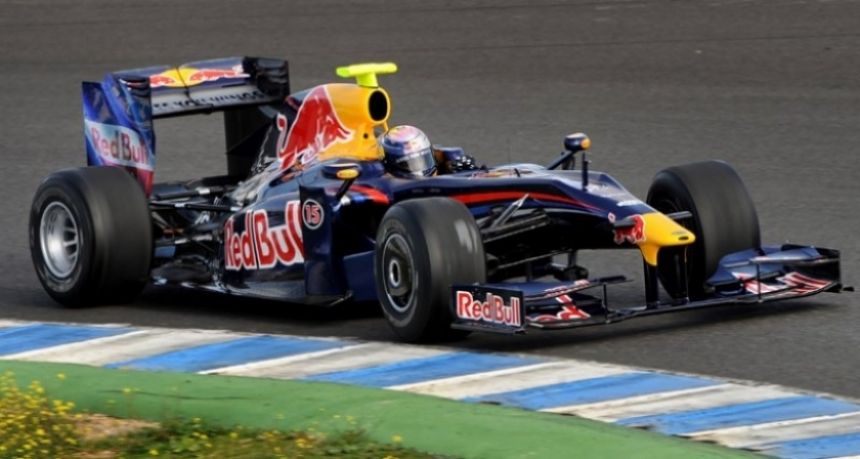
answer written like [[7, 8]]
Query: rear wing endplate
[[118, 111]]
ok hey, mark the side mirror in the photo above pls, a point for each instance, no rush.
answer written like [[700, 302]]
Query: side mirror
[[573, 144], [577, 142], [347, 172]]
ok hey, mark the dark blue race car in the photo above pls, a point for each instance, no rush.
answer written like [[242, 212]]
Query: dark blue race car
[[312, 211]]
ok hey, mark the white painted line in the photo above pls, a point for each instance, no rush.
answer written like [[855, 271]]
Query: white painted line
[[795, 429], [264, 368], [467, 378], [142, 343], [846, 457], [69, 349], [672, 402], [355, 357], [512, 379], [11, 323]]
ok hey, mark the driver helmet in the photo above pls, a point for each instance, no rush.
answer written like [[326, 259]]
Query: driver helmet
[[408, 152]]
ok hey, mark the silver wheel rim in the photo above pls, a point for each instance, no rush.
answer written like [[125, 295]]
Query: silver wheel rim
[[399, 274], [59, 239]]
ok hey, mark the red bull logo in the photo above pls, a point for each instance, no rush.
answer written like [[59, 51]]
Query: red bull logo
[[493, 309], [118, 145], [204, 75], [633, 233], [317, 127], [567, 313], [189, 76], [260, 246], [164, 80]]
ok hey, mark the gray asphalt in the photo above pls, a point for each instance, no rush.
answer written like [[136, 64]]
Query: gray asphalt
[[771, 86]]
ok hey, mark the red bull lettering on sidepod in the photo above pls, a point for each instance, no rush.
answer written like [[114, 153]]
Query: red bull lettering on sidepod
[[492, 310], [317, 127], [260, 246]]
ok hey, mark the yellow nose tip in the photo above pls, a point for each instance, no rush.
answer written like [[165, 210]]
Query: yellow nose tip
[[661, 231]]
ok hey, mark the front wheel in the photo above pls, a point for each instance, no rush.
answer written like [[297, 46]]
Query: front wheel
[[724, 220], [423, 246], [91, 236]]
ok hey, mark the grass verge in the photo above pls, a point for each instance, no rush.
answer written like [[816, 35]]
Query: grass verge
[[423, 423], [195, 439]]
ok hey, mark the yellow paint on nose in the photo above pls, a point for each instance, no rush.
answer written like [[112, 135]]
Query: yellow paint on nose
[[661, 231]]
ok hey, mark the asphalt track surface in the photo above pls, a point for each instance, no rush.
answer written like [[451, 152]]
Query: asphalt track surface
[[771, 86]]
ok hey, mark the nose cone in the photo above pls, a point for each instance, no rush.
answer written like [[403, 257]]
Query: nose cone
[[661, 231]]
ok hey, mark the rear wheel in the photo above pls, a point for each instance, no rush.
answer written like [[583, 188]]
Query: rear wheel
[[91, 236], [724, 220], [423, 247]]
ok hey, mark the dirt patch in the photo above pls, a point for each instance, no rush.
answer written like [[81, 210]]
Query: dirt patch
[[95, 427]]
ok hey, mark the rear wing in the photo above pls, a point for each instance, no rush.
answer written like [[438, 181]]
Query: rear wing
[[118, 111], [212, 85]]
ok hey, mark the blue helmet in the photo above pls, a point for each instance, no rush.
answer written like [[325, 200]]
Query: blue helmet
[[408, 152]]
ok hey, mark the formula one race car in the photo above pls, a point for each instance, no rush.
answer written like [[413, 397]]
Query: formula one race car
[[309, 213]]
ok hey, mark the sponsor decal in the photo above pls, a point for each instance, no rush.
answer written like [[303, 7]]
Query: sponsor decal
[[577, 284], [283, 126], [633, 233], [198, 76], [189, 76], [317, 127], [492, 310], [118, 145], [568, 312], [312, 214], [799, 284], [261, 246], [165, 79]]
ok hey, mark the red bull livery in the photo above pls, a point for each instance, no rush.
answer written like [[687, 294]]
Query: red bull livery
[[309, 211]]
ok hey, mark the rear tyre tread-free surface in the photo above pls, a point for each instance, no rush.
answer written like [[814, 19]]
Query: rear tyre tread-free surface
[[91, 236]]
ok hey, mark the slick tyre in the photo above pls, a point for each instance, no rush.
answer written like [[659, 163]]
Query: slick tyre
[[724, 220], [424, 246], [91, 236]]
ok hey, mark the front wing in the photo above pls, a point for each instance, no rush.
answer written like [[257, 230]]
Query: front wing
[[752, 276]]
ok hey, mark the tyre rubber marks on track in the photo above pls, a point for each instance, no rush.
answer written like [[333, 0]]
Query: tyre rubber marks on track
[[770, 419]]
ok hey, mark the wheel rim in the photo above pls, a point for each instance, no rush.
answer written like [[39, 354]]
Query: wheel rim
[[398, 273], [60, 239]]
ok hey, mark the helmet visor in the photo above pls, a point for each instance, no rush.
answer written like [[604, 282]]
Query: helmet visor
[[418, 164]]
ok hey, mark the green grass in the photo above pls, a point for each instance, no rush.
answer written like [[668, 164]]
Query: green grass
[[195, 439], [447, 427]]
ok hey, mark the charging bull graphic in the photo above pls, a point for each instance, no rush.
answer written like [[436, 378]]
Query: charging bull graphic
[[632, 233], [316, 128], [188, 76]]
